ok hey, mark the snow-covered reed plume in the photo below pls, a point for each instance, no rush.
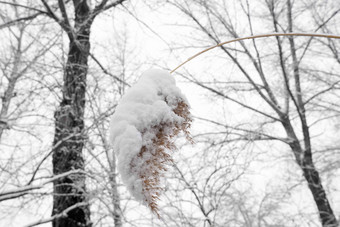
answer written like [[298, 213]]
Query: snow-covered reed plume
[[147, 118]]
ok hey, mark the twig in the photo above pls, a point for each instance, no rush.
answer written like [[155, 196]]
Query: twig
[[107, 72], [10, 23], [103, 7], [23, 6]]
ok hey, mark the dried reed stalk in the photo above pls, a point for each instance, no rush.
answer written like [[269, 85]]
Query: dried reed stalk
[[256, 37], [158, 155]]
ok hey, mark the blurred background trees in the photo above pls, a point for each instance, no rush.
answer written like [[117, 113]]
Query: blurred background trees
[[266, 111]]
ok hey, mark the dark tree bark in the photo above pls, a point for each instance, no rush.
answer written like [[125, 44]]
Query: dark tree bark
[[314, 183], [69, 127], [70, 197], [305, 160]]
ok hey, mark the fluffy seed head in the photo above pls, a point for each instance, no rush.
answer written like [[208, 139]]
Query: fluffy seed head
[[159, 155], [142, 129]]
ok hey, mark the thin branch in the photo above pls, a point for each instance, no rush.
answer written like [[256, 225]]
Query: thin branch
[[320, 26], [322, 92], [107, 72], [50, 12], [191, 188], [114, 4], [258, 65], [254, 132], [60, 215], [48, 154], [23, 6], [299, 100], [66, 28], [285, 76], [271, 101], [5, 195], [102, 7], [13, 22], [99, 7], [66, 21], [233, 100]]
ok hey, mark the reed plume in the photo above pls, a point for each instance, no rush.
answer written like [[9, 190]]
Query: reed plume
[[158, 156], [142, 131]]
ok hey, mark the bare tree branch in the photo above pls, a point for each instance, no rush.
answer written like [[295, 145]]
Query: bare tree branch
[[63, 23], [102, 7], [13, 193], [107, 72], [23, 6], [60, 215], [13, 22], [66, 21]]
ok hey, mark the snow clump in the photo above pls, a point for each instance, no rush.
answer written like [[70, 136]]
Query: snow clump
[[148, 116]]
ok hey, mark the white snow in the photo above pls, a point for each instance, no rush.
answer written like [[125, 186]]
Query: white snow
[[150, 102]]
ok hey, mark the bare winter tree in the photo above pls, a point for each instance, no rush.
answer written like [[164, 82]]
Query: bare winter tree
[[18, 64], [22, 89], [69, 118], [70, 205], [71, 200], [294, 102]]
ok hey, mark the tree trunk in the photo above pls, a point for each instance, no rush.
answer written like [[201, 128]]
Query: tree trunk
[[314, 183], [117, 216], [69, 130], [305, 161]]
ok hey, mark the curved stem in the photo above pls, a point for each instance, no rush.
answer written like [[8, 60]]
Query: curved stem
[[256, 37]]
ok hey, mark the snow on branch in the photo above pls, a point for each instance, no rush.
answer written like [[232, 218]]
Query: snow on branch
[[20, 191], [149, 115], [60, 215]]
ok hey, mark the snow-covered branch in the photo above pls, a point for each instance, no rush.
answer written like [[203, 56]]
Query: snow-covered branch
[[14, 193], [62, 214]]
